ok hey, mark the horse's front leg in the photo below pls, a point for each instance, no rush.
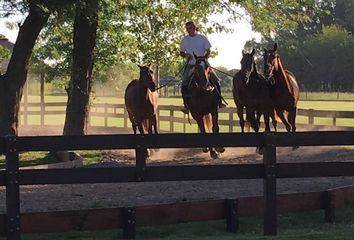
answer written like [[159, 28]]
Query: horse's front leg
[[250, 116], [215, 118], [266, 121], [201, 127], [273, 116], [240, 117]]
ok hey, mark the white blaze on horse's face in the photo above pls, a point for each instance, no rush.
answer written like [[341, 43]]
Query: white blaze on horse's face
[[202, 73], [247, 64]]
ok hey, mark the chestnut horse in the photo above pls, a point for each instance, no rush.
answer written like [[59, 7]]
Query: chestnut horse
[[203, 104], [141, 101], [284, 91]]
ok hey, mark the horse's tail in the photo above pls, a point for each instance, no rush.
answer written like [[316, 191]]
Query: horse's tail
[[208, 122]]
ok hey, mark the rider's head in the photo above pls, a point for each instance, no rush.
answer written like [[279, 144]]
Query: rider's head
[[191, 28]]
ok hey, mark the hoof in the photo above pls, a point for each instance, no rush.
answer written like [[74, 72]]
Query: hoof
[[220, 149], [259, 150], [215, 155], [205, 150]]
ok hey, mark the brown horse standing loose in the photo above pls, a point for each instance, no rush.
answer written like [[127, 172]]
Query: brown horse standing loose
[[285, 90], [203, 104], [141, 101]]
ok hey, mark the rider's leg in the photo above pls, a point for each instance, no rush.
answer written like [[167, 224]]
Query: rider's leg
[[185, 88], [216, 82]]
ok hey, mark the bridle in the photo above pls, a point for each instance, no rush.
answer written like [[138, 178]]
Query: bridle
[[203, 76]]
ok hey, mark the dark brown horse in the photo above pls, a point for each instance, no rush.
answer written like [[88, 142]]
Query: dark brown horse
[[203, 104], [141, 102], [251, 92], [285, 90], [239, 86]]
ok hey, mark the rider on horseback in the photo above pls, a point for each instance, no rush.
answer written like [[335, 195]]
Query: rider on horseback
[[200, 46]]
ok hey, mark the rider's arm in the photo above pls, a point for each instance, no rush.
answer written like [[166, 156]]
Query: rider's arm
[[185, 55], [207, 53]]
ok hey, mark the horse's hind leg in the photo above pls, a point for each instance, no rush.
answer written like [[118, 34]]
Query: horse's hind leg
[[283, 119], [132, 120], [291, 117], [154, 123], [274, 120]]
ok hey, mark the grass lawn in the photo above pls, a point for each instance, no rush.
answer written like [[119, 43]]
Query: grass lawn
[[308, 225], [40, 158]]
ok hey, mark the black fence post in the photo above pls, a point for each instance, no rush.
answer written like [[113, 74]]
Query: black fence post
[[13, 231], [128, 221], [232, 215], [140, 158], [329, 206], [269, 187]]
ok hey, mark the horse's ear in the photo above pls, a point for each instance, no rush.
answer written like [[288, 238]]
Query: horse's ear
[[139, 66], [264, 49], [253, 51], [275, 47], [195, 56]]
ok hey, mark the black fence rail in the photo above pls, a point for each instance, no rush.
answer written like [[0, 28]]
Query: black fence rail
[[12, 177]]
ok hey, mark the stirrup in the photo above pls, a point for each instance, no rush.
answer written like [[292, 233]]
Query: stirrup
[[185, 110], [222, 105]]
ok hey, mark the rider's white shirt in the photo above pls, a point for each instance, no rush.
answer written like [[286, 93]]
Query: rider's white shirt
[[197, 44]]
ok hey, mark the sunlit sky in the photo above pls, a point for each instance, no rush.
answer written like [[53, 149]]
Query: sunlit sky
[[228, 45]]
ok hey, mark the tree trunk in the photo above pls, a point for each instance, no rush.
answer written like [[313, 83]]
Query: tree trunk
[[85, 26], [13, 81]]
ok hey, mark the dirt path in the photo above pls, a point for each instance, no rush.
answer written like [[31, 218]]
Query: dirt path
[[66, 197]]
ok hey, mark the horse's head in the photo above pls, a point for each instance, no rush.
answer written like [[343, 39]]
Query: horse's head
[[201, 72], [147, 77], [247, 63], [270, 58]]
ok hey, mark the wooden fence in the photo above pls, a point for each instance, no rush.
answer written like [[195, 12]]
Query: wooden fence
[[170, 117], [12, 177]]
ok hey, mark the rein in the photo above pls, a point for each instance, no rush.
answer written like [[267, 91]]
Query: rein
[[179, 72], [164, 85], [229, 75]]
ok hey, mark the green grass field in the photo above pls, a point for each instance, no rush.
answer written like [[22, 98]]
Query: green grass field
[[331, 104], [307, 225]]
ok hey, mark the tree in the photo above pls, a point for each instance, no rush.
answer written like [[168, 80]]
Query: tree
[[85, 26], [151, 32], [12, 82], [322, 61]]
